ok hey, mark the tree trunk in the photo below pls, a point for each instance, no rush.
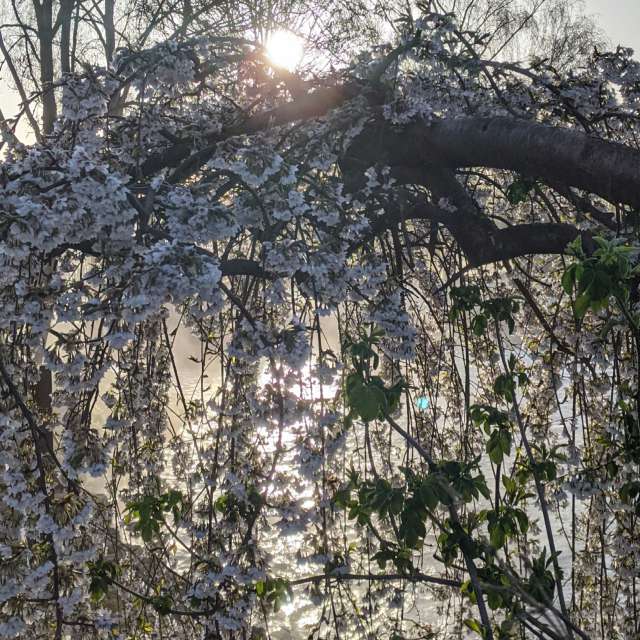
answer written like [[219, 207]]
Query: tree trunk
[[109, 30], [64, 22], [44, 18]]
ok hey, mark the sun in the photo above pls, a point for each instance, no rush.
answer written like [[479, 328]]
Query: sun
[[285, 49]]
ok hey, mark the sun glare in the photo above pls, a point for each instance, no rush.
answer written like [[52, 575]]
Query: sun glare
[[285, 49]]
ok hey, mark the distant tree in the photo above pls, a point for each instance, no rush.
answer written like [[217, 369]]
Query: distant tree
[[412, 286]]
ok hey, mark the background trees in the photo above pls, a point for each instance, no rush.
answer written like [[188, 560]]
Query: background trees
[[41, 43], [348, 343]]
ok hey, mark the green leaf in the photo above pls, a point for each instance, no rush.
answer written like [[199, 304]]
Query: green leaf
[[575, 247], [519, 189], [342, 498], [499, 445], [523, 520], [428, 495], [396, 504], [505, 386], [569, 279], [479, 324], [162, 604], [494, 599], [367, 400], [474, 625], [145, 626], [497, 535], [509, 484]]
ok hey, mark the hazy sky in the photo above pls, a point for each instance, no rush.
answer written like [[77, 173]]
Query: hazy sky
[[620, 20]]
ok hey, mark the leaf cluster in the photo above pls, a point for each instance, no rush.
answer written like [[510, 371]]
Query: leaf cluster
[[147, 514], [595, 278]]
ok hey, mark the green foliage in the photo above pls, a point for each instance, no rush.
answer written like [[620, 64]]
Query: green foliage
[[625, 449], [468, 299], [497, 587], [366, 394], [463, 479], [148, 512], [515, 490], [544, 467], [456, 537], [162, 604], [505, 522], [599, 276], [382, 497], [502, 310], [505, 384], [464, 298], [406, 509], [399, 555], [499, 445], [631, 430], [362, 350], [499, 591], [497, 426], [630, 494], [367, 400], [541, 583], [102, 573], [475, 626], [372, 496], [144, 625], [236, 508], [518, 191], [273, 592], [413, 504]]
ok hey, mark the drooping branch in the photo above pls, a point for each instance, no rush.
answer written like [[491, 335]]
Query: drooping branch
[[554, 154], [608, 169]]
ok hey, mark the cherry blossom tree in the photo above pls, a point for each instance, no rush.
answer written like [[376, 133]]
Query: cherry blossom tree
[[411, 280]]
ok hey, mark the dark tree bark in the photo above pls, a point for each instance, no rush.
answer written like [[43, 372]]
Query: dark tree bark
[[554, 154], [63, 22], [44, 18]]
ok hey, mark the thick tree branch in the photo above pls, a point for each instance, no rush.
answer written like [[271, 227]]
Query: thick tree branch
[[608, 169], [478, 237]]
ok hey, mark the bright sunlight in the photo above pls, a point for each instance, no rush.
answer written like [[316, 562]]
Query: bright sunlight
[[285, 49]]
